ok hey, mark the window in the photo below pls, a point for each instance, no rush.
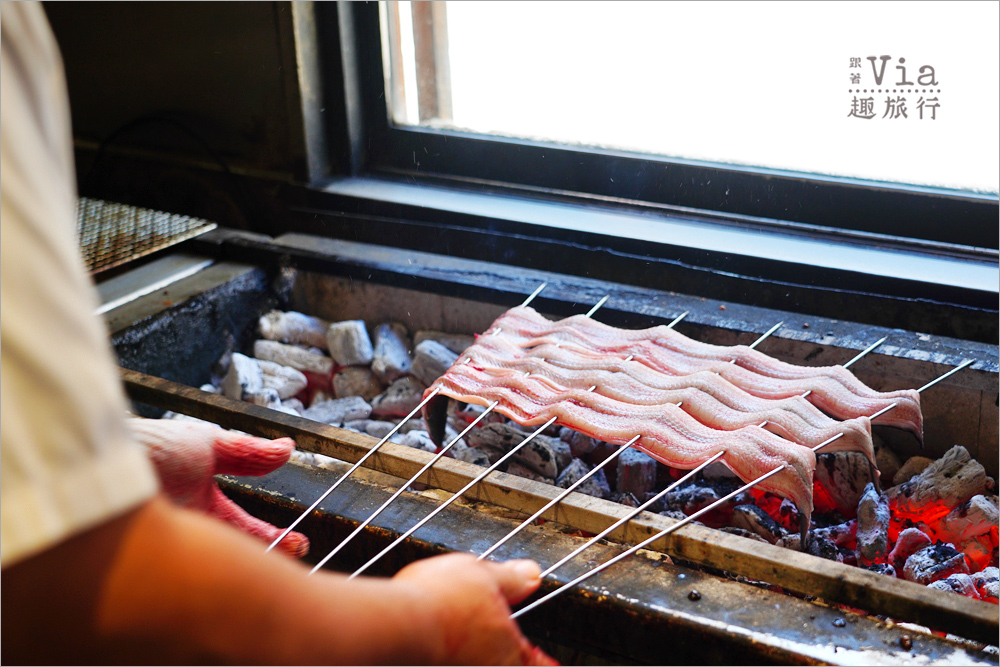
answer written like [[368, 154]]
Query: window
[[430, 145], [885, 92]]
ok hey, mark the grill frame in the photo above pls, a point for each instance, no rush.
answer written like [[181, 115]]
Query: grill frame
[[358, 269]]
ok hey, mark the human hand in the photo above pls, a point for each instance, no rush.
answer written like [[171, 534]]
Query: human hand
[[469, 602], [187, 455]]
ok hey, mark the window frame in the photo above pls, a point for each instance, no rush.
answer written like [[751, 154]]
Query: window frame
[[916, 217]]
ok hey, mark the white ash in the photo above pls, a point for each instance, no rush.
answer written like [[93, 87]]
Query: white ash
[[294, 328], [356, 381], [457, 343], [755, 520], [243, 377], [321, 396], [636, 473], [285, 380], [348, 343], [881, 568], [419, 440], [373, 427], [987, 583], [177, 416], [596, 486], [391, 357], [314, 459], [431, 360], [399, 399], [972, 518], [338, 410], [956, 583], [844, 475], [934, 562], [539, 455], [873, 526], [840, 534], [908, 543], [210, 388], [294, 404], [290, 355], [472, 455], [521, 470], [910, 469]]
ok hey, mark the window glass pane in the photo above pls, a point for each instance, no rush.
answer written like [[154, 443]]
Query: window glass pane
[[794, 86]]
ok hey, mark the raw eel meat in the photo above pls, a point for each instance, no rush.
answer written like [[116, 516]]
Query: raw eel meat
[[833, 389], [707, 397], [668, 434]]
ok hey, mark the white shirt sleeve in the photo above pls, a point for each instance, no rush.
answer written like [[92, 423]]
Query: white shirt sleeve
[[67, 462]]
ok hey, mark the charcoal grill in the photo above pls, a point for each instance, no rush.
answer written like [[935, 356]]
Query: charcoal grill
[[639, 611]]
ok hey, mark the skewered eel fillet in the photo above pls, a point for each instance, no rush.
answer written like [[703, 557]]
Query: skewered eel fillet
[[668, 434], [833, 389], [707, 397]]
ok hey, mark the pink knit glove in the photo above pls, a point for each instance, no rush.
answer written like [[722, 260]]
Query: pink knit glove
[[188, 454]]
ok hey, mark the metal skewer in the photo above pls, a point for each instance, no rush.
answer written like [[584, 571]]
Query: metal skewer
[[455, 497], [597, 305], [531, 297], [762, 338], [692, 517], [351, 470], [403, 488], [865, 351], [558, 499], [678, 319]]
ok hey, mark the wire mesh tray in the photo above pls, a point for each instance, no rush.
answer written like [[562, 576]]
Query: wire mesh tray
[[113, 234]]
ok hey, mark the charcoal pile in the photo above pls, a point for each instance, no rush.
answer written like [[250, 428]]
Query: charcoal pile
[[931, 522]]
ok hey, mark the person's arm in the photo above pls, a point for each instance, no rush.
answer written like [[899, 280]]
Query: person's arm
[[166, 585]]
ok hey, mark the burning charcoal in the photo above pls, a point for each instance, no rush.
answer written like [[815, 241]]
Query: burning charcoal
[[266, 397], [399, 399], [419, 440], [949, 481], [957, 583], [431, 360], [539, 455], [844, 475], [280, 407], [243, 377], [596, 486], [471, 455], [294, 328], [457, 343], [979, 551], [913, 467], [934, 562], [972, 518], [356, 381], [887, 462], [283, 379], [321, 396], [675, 514], [378, 429], [824, 548], [743, 532], [791, 541], [873, 526], [636, 473], [987, 584], [338, 410], [579, 444], [349, 343], [497, 437], [391, 358], [626, 499], [908, 543], [294, 404], [881, 568], [841, 534], [289, 355], [517, 468], [719, 470], [757, 521], [788, 513]]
